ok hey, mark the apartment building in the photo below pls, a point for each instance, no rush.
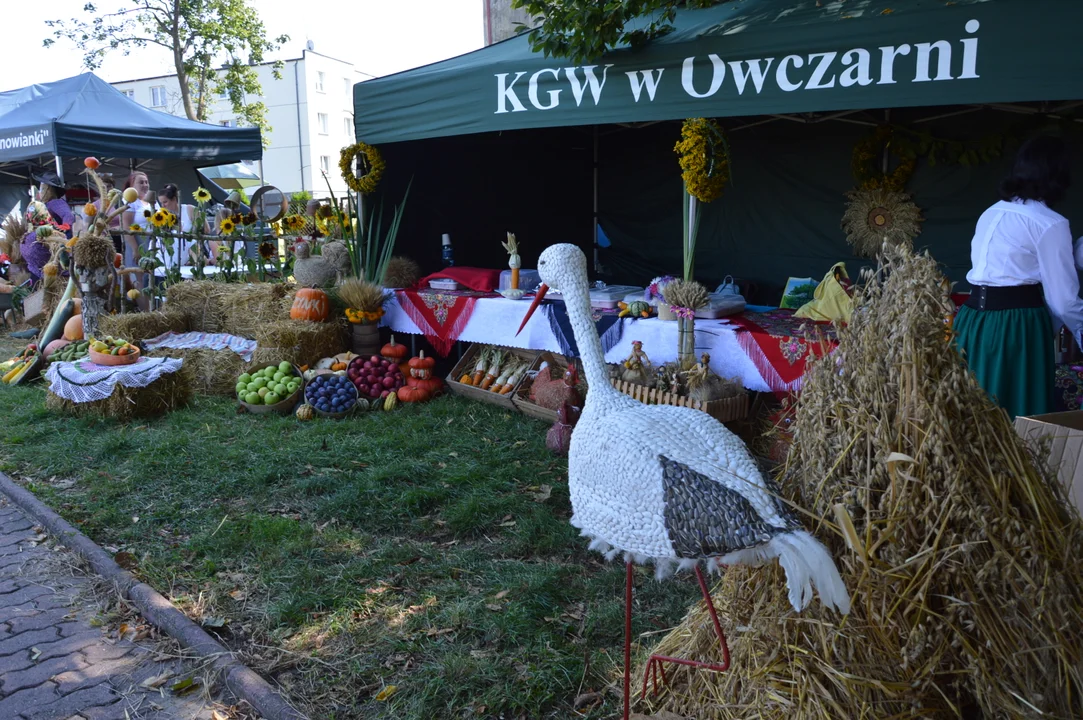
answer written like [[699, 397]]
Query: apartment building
[[310, 110], [501, 20]]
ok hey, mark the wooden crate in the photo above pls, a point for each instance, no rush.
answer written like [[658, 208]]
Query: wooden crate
[[522, 393], [727, 410], [466, 364]]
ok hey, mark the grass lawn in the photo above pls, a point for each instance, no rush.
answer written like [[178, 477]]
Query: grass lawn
[[428, 548]]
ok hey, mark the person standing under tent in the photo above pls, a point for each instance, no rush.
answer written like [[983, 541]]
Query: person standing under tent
[[184, 249], [1023, 283], [138, 214]]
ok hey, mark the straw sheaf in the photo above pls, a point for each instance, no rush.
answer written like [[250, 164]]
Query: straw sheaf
[[237, 309], [298, 341], [960, 550], [15, 229], [402, 272], [92, 251], [170, 391]]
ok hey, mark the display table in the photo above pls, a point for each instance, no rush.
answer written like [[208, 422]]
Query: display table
[[733, 343]]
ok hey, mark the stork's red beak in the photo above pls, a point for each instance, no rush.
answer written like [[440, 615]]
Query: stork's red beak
[[538, 297]]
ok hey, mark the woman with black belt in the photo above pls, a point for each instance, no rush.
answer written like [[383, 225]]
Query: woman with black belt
[[1023, 283]]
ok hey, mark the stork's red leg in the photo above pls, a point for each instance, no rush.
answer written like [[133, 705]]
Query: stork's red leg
[[627, 640], [654, 664]]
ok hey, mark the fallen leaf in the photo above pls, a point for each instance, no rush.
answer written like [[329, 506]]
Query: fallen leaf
[[502, 594], [386, 693], [433, 632], [215, 715], [586, 700], [186, 685], [450, 454], [34, 654], [238, 595], [125, 559], [509, 523], [214, 622], [495, 608], [157, 681], [543, 494]]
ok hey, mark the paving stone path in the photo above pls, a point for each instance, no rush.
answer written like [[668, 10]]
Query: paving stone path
[[54, 663]]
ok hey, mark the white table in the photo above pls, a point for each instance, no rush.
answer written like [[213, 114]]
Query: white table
[[495, 320]]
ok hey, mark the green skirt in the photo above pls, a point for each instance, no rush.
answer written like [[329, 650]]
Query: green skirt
[[1012, 355]]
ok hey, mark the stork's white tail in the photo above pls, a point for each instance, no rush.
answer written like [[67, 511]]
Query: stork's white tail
[[808, 565]]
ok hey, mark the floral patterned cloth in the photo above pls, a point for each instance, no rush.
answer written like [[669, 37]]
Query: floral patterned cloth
[[34, 253], [1069, 384], [779, 344], [440, 314]]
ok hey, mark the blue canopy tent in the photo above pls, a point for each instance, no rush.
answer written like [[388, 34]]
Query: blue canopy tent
[[55, 125]]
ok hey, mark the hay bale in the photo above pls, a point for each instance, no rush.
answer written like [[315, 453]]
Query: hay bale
[[248, 308], [138, 326], [199, 302], [964, 569], [298, 341], [213, 372], [168, 392]]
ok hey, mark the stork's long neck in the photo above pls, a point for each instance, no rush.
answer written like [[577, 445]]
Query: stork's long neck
[[577, 301]]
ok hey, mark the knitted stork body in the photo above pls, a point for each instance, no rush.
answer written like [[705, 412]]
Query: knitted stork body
[[670, 485]]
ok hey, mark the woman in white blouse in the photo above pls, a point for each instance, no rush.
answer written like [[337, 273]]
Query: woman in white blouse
[[183, 249], [1023, 283]]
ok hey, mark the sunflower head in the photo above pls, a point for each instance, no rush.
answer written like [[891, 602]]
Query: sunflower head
[[249, 219], [202, 195], [159, 218], [228, 226], [266, 250], [134, 228], [147, 213], [325, 211], [170, 219]]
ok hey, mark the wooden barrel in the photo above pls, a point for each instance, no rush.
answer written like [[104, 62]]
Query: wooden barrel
[[365, 339]]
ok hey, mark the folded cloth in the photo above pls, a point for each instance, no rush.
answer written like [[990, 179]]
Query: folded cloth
[[479, 279]]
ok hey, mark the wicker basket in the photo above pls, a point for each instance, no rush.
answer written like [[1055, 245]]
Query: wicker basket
[[727, 410], [466, 364], [521, 396]]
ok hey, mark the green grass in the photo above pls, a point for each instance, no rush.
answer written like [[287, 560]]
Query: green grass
[[414, 548]]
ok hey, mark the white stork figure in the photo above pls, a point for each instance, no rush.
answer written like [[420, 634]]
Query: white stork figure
[[671, 485]]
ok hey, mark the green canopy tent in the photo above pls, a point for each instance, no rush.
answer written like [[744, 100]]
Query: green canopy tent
[[755, 61]]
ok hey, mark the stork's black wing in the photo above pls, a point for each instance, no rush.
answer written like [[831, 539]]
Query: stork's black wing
[[705, 518]]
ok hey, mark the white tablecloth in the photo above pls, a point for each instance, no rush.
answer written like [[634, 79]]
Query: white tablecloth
[[495, 320]]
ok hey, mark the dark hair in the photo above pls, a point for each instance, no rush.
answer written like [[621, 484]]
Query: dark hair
[[169, 192], [1042, 171], [130, 182]]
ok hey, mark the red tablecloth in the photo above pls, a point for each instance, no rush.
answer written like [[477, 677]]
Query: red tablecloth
[[780, 344], [440, 314]]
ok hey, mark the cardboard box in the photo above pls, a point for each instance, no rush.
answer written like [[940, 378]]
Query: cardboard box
[[1064, 433]]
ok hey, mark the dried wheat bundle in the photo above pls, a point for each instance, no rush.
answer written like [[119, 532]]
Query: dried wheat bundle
[[959, 549]]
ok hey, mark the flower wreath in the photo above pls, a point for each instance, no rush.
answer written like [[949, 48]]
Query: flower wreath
[[705, 158], [371, 160], [866, 157]]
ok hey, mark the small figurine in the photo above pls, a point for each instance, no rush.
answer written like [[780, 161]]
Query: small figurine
[[637, 366], [559, 437]]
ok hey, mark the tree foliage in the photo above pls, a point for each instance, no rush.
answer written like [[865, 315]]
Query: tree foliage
[[198, 34], [583, 30]]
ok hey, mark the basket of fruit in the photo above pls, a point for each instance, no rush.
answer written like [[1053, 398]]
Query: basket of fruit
[[374, 377], [113, 351], [333, 396], [275, 388]]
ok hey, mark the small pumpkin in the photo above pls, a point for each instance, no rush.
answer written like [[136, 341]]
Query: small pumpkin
[[412, 394], [310, 304], [394, 352], [304, 412], [51, 269], [391, 401], [433, 385], [362, 405], [338, 366], [73, 328], [421, 366]]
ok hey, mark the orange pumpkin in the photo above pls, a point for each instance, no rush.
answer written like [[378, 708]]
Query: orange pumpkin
[[338, 366], [118, 260], [394, 351], [310, 304], [77, 305], [412, 394], [433, 385], [90, 209], [91, 163], [73, 328], [421, 366]]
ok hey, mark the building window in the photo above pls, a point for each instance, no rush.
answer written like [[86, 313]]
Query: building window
[[347, 86], [228, 123], [157, 96], [321, 120], [130, 94], [347, 127], [325, 164], [223, 94], [319, 82]]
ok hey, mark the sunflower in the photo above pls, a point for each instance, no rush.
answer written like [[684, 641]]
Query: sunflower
[[267, 250], [249, 219], [202, 195], [159, 218], [147, 213], [170, 219], [134, 228], [228, 226]]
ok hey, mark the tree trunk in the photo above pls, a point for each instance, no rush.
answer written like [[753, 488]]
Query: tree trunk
[[178, 63]]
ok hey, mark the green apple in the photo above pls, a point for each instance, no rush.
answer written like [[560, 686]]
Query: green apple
[[264, 391], [285, 367], [260, 382], [253, 399], [292, 387], [242, 388], [271, 398], [280, 389], [244, 378], [278, 376]]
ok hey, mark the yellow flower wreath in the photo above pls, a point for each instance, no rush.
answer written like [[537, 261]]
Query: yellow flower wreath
[[705, 159], [371, 160]]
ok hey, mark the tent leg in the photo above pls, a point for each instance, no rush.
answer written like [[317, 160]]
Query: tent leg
[[594, 236]]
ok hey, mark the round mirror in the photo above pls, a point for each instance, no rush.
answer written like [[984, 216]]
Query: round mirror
[[269, 204]]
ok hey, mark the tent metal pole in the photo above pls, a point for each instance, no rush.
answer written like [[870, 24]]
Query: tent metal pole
[[594, 240], [59, 168]]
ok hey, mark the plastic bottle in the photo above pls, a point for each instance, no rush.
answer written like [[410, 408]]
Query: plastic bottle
[[447, 256]]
